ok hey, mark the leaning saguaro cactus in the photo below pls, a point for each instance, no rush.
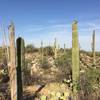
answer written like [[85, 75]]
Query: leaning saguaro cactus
[[93, 46], [12, 66], [75, 59], [20, 66]]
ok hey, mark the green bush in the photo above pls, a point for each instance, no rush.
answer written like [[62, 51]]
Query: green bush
[[30, 48], [63, 62], [48, 51], [90, 83]]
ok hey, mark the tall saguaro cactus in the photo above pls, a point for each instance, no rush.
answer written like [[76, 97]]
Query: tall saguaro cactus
[[93, 46], [20, 66], [75, 58], [12, 67]]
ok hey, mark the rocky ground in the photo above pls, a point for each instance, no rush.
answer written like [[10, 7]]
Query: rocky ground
[[51, 81]]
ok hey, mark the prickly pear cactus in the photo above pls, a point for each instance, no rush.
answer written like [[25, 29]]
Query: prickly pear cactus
[[56, 96], [43, 97]]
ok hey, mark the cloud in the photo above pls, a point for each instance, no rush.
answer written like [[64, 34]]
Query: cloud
[[37, 28], [63, 32]]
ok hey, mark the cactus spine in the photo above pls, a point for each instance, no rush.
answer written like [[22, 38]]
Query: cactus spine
[[20, 66], [93, 47], [12, 66], [75, 59]]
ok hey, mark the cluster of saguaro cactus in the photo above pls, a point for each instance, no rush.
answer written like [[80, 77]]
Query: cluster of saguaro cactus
[[93, 46], [75, 59], [16, 65]]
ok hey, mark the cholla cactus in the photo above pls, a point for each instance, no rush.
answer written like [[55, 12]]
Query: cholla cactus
[[75, 58], [93, 46]]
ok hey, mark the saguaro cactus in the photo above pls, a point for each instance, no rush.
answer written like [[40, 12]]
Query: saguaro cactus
[[75, 59], [93, 46], [64, 48], [58, 51], [12, 67], [20, 66], [42, 52], [55, 48]]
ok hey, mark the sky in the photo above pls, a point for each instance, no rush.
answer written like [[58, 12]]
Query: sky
[[44, 20]]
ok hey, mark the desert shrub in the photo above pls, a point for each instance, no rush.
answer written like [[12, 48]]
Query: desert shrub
[[30, 48], [2, 97], [97, 53], [1, 54], [26, 72], [44, 63], [63, 62], [48, 51], [27, 62], [89, 84], [27, 77]]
